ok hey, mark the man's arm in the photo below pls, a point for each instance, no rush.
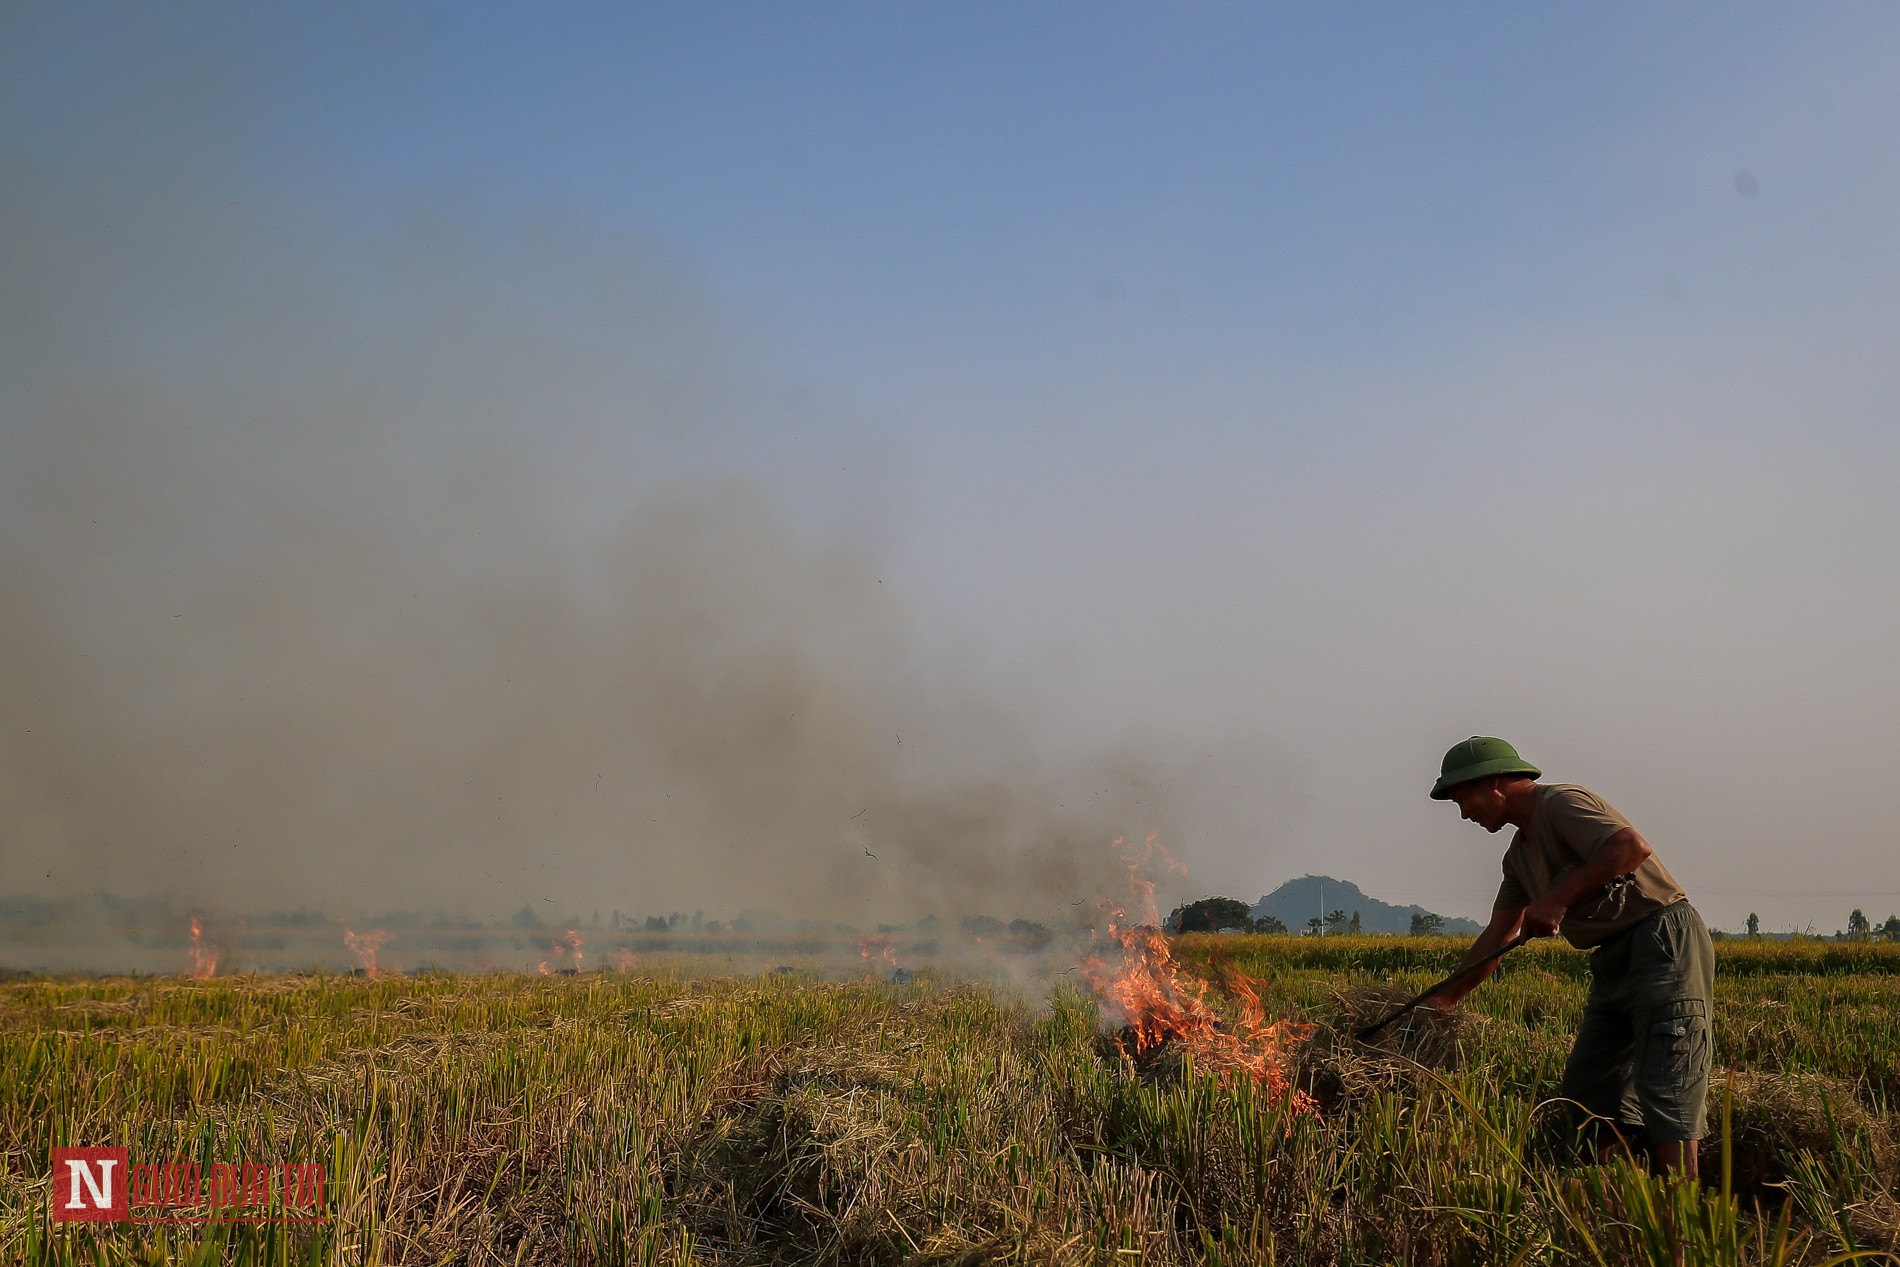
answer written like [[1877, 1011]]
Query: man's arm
[[1618, 856], [1504, 925]]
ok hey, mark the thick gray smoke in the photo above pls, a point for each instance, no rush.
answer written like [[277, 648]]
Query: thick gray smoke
[[365, 569]]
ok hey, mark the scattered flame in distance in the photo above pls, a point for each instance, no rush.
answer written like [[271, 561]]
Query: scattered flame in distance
[[364, 946], [564, 948], [879, 953], [204, 959]]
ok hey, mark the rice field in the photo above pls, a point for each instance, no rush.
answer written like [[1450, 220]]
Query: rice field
[[679, 1116]]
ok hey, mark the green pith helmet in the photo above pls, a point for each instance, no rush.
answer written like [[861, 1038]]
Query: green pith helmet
[[1476, 758]]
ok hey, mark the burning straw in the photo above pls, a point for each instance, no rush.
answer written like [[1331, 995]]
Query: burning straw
[[1136, 977], [365, 947], [567, 956], [204, 957]]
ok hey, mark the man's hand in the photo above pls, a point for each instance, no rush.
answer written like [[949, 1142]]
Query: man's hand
[[1503, 926], [1618, 856], [1543, 917]]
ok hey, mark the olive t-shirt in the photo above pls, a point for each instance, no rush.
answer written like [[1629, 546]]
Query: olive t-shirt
[[1568, 825]]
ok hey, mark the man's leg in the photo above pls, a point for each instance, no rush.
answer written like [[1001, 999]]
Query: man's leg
[[1677, 971], [1678, 1157], [1598, 1077]]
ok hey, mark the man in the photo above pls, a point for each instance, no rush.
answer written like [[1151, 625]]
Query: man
[[1575, 866]]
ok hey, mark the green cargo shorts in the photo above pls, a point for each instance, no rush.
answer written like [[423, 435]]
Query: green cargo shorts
[[1642, 1053]]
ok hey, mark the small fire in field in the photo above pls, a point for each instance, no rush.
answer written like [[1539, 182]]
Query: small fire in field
[[879, 953], [204, 959], [567, 956], [623, 960], [364, 946], [1134, 973]]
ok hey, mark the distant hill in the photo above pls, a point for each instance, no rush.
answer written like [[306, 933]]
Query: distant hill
[[1297, 901]]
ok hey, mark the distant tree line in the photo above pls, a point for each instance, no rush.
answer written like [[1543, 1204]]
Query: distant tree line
[[1018, 934], [1220, 914], [1226, 914], [677, 921], [1859, 927]]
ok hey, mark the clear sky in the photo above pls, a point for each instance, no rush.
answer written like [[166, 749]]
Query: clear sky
[[1277, 393]]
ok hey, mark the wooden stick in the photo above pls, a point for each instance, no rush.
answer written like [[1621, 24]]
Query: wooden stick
[[1459, 975]]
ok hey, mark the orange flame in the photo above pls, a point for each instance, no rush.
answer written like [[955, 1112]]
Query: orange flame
[[364, 946], [879, 948], [567, 946], [1135, 975], [204, 959], [623, 960]]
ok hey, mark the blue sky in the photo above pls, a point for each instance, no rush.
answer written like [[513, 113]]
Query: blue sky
[[1290, 389], [927, 185]]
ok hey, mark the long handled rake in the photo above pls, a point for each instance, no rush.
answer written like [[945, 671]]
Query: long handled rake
[[1369, 1031]]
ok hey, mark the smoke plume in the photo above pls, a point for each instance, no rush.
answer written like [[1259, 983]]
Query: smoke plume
[[395, 566]]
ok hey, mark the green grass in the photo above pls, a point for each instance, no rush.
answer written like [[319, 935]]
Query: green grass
[[681, 1118]]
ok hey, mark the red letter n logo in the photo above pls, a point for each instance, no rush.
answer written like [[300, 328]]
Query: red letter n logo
[[89, 1185]]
